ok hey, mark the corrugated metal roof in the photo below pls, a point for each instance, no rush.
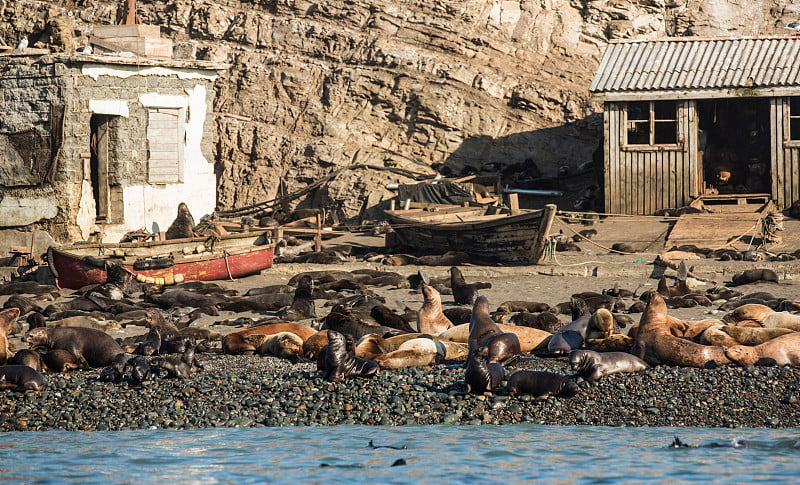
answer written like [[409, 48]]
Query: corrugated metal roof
[[698, 63]]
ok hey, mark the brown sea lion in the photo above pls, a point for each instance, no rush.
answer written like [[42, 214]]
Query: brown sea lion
[[782, 320], [286, 345], [546, 321], [314, 344], [529, 338], [755, 275], [430, 318], [386, 317], [593, 365], [237, 342], [751, 336], [418, 352], [615, 343], [463, 292], [20, 378], [87, 322], [601, 324], [183, 225], [7, 319], [783, 350], [28, 357], [541, 384], [484, 332], [751, 311], [655, 344], [458, 315], [344, 319], [91, 347], [523, 306], [25, 304], [44, 292], [60, 360], [336, 363], [372, 345]]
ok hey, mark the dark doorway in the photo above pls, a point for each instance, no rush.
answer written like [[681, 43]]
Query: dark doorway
[[735, 139], [99, 144]]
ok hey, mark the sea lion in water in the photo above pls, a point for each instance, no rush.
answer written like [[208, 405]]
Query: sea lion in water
[[336, 363], [783, 350], [7, 319], [20, 378], [593, 365], [430, 318], [28, 357], [541, 384], [183, 225], [655, 343], [481, 375], [484, 332], [91, 348]]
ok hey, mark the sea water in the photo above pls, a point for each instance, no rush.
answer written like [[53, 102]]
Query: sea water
[[506, 454]]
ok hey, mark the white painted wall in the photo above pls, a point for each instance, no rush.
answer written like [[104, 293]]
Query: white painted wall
[[147, 204]]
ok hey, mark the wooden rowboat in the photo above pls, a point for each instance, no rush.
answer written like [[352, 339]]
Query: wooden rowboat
[[165, 262], [485, 231]]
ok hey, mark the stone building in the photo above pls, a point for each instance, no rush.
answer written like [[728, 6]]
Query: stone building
[[99, 145]]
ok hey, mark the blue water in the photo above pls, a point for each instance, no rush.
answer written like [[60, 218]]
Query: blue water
[[433, 454]]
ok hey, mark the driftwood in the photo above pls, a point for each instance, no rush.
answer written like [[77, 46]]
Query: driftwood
[[673, 265]]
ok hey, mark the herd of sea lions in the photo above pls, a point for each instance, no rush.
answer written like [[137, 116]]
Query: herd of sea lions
[[361, 336]]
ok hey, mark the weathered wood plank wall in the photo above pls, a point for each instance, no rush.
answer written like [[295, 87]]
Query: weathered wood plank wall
[[785, 156]]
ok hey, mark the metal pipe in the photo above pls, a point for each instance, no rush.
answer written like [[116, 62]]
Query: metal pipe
[[543, 193]]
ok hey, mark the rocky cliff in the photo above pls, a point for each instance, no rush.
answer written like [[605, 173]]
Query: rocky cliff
[[465, 84]]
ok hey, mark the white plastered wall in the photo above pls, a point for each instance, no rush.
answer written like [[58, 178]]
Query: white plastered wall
[[154, 206]]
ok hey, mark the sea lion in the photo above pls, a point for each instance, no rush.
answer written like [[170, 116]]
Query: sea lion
[[541, 384], [87, 322], [287, 345], [60, 360], [91, 347], [314, 344], [752, 311], [25, 304], [418, 352], [463, 292], [20, 378], [45, 292], [593, 365], [28, 357], [173, 365], [523, 306], [236, 342], [183, 225], [458, 315], [430, 318], [151, 345], [7, 319], [371, 346], [755, 275], [615, 343], [570, 336], [387, 318], [751, 336], [481, 375], [484, 332], [601, 324], [782, 320], [783, 350], [336, 363], [529, 338], [546, 321], [342, 319], [655, 343]]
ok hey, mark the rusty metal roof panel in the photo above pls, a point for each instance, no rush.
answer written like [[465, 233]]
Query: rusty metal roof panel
[[698, 63]]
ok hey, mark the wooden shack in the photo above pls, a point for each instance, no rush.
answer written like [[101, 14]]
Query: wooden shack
[[685, 117]]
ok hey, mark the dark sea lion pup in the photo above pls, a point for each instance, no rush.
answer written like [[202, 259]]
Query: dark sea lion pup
[[20, 378], [484, 332], [481, 375], [593, 365], [336, 363], [541, 384]]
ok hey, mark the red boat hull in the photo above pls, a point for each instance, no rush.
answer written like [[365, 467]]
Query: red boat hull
[[74, 272]]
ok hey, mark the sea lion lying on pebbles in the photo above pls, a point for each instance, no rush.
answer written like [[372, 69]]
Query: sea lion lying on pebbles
[[481, 375], [755, 275], [484, 332], [28, 357], [20, 378], [238, 343], [91, 347], [541, 384], [593, 365], [783, 350]]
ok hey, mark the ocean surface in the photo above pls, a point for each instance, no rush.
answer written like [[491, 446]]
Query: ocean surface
[[432, 454]]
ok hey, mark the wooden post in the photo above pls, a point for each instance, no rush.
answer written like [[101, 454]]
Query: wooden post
[[392, 205], [407, 204], [129, 13], [513, 203], [318, 235]]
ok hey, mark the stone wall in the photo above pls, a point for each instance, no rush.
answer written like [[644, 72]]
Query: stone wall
[[321, 85]]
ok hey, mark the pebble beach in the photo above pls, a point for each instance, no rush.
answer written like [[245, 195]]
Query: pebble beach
[[253, 390]]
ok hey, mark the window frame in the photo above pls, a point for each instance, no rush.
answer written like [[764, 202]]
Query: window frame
[[652, 122], [788, 141]]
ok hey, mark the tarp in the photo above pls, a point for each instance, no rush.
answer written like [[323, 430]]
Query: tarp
[[438, 193]]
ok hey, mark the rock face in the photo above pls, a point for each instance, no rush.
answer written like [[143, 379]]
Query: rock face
[[318, 86]]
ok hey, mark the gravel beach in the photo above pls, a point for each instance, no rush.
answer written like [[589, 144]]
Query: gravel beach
[[251, 390]]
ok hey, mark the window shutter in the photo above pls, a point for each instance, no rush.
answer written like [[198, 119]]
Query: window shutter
[[165, 140]]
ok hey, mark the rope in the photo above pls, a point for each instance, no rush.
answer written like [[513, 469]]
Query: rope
[[563, 223]]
